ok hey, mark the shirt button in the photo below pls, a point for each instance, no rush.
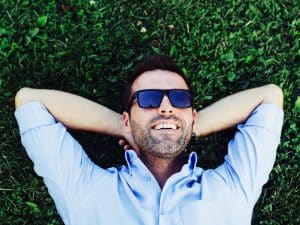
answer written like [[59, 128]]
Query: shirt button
[[162, 212], [147, 177]]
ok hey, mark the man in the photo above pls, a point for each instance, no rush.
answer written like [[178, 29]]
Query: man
[[161, 183]]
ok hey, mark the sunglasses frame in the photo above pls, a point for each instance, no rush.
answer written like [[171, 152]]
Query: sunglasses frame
[[165, 92]]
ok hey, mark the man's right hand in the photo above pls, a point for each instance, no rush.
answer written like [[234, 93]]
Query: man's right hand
[[127, 142]]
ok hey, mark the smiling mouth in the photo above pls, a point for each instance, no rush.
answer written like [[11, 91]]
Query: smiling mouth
[[165, 127]]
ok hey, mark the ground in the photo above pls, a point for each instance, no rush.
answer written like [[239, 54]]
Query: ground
[[88, 47]]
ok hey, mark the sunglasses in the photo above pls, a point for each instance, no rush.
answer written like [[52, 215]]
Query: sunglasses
[[151, 98]]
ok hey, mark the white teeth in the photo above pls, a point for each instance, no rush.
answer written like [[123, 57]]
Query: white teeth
[[165, 125]]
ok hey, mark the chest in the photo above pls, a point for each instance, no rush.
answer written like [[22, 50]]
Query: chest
[[186, 206]]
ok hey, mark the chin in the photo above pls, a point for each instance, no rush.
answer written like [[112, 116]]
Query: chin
[[166, 152]]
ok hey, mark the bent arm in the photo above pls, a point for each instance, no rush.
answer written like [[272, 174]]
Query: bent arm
[[235, 108], [74, 111]]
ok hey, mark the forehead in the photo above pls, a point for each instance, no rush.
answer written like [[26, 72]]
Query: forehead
[[159, 79]]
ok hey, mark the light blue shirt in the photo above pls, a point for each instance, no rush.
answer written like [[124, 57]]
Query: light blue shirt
[[84, 193]]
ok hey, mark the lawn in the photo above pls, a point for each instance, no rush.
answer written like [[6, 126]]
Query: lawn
[[88, 48]]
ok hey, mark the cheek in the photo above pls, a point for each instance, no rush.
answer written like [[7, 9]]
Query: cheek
[[141, 113], [188, 116], [141, 117], [190, 122]]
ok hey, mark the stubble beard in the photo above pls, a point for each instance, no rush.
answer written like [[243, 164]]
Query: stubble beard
[[165, 147]]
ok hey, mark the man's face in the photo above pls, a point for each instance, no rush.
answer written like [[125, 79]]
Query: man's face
[[145, 123]]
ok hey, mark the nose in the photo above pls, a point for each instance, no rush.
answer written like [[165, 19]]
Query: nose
[[165, 107]]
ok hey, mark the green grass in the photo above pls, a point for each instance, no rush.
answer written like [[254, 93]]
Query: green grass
[[87, 49]]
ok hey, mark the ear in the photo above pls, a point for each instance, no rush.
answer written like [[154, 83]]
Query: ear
[[194, 118], [125, 119]]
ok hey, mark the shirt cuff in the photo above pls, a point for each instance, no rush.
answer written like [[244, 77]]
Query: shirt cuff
[[32, 115], [267, 115]]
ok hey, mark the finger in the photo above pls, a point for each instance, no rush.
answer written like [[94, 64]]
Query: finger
[[121, 142]]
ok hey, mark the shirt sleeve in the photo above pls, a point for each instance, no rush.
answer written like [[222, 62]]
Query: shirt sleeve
[[57, 156], [252, 151]]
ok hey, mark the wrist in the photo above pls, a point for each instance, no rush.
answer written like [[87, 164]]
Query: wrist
[[200, 128], [121, 131]]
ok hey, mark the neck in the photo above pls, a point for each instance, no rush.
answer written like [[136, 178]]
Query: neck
[[163, 168]]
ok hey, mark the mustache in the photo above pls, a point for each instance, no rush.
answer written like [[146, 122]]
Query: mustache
[[161, 117]]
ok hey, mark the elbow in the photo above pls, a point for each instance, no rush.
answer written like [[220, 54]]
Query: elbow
[[274, 95], [20, 97]]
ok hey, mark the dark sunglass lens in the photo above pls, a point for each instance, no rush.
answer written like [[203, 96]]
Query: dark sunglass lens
[[180, 98], [149, 98]]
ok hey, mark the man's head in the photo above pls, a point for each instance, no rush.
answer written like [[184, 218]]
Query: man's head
[[165, 129], [150, 63]]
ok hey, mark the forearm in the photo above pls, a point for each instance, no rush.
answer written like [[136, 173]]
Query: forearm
[[235, 108], [74, 111]]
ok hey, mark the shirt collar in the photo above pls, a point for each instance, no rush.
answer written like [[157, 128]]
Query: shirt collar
[[132, 160], [192, 162]]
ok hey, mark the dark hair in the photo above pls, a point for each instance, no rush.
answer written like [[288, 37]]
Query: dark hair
[[149, 63]]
